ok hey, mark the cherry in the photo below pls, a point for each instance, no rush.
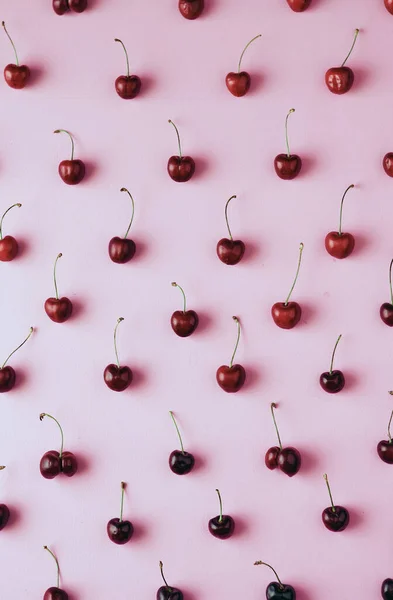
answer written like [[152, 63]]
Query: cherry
[[191, 9], [184, 322], [117, 378], [385, 447], [120, 531], [58, 309], [166, 592], [16, 76], [239, 83], [387, 584], [387, 162], [287, 314], [71, 171], [7, 374], [286, 459], [180, 168], [389, 7], [122, 250], [4, 512], [55, 593], [222, 526], [277, 590], [339, 80], [231, 378], [180, 462], [53, 462], [332, 381], [386, 310], [287, 166], [299, 5], [62, 6], [8, 244], [127, 86], [230, 251], [338, 244], [335, 518]]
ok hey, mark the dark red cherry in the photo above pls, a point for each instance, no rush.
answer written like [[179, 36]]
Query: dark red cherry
[[276, 590], [4, 516], [120, 531], [60, 6], [15, 75], [232, 378], [7, 373], [116, 377], [335, 517], [287, 166], [78, 6], [385, 447], [299, 5], [332, 381], [166, 592], [127, 86], [339, 80], [8, 244], [55, 593], [230, 251], [286, 315], [288, 460], [387, 584], [239, 83], [387, 162], [221, 526], [184, 322], [121, 250], [59, 310], [180, 461], [71, 171], [53, 463], [180, 168], [191, 9]]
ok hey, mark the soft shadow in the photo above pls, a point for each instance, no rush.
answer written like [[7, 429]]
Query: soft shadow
[[72, 594], [251, 252], [253, 376], [308, 164], [356, 517], [309, 461], [200, 463], [84, 463], [205, 322], [210, 6], [309, 313], [23, 248], [362, 242], [351, 381], [78, 308], [241, 526], [92, 4], [189, 594], [140, 251], [201, 166], [91, 169], [301, 593], [37, 73], [362, 78], [138, 380], [257, 81], [21, 378], [148, 84], [15, 517], [140, 531]]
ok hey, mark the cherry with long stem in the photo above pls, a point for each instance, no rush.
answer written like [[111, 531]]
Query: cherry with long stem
[[174, 284], [334, 353], [178, 137], [163, 577], [260, 562], [272, 407], [352, 47], [178, 431], [119, 320], [237, 340], [242, 54], [71, 138], [330, 492], [16, 349], [226, 216], [42, 415], [12, 43], [57, 565], [341, 207], [123, 189], [292, 110], [126, 53], [297, 274], [2, 218]]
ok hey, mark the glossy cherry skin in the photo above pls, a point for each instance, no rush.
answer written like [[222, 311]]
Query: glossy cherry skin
[[119, 532], [230, 252], [231, 379], [223, 528], [60, 6], [184, 323], [16, 76], [389, 7], [58, 310], [299, 5], [8, 248], [121, 250], [72, 171], [180, 462], [191, 9], [387, 584], [78, 6], [7, 379], [181, 169], [55, 593], [286, 316], [52, 465], [275, 591], [387, 162], [336, 520], [4, 515], [238, 83], [385, 451], [332, 382], [339, 245], [287, 167], [386, 313], [117, 378], [339, 80], [288, 460], [169, 593], [128, 87]]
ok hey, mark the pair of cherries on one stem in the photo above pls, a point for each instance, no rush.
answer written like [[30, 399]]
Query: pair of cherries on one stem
[[117, 377], [276, 590], [53, 463], [15, 75], [62, 6], [288, 460], [385, 447], [4, 512], [7, 373], [58, 309], [55, 593], [339, 80], [119, 530], [191, 9], [71, 171], [8, 245], [386, 310], [167, 592]]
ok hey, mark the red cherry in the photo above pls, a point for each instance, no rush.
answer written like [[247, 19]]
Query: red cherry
[[388, 162], [339, 80], [8, 244], [7, 374], [232, 378], [389, 6], [116, 377], [127, 86], [335, 518], [180, 168], [16, 76], [288, 460], [332, 381], [60, 6], [277, 591], [239, 83], [191, 9], [184, 322], [287, 166], [299, 5], [385, 447], [78, 6], [386, 310], [71, 171], [339, 244], [230, 251], [55, 593], [119, 531], [53, 463], [287, 314], [58, 309], [122, 250]]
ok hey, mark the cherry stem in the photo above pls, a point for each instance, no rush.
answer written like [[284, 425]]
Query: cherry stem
[[272, 407], [123, 189], [16, 349], [333, 353], [242, 54], [260, 562], [390, 422], [42, 415], [292, 110], [126, 53], [297, 274], [330, 492], [1, 220], [178, 431], [13, 45], [178, 136], [226, 216], [123, 489], [54, 274], [341, 207], [352, 47], [71, 138], [237, 340], [119, 320], [174, 284], [57, 564], [163, 576], [390, 281], [220, 501]]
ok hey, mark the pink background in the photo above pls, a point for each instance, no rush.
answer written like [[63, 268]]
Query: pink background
[[129, 436]]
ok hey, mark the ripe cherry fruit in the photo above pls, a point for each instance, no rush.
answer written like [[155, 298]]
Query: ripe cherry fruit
[[53, 462], [337, 243], [8, 244], [287, 314], [116, 377], [127, 86], [7, 373], [16, 76], [386, 310], [232, 378], [230, 251], [180, 461], [288, 460], [239, 83]]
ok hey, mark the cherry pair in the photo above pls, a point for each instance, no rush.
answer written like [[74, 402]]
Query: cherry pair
[[62, 6], [53, 463]]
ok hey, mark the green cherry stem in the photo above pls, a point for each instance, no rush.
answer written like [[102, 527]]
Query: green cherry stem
[[174, 284], [163, 576], [178, 431], [237, 340], [16, 349], [126, 53], [330, 492], [71, 138], [119, 320], [272, 407], [57, 564], [390, 281], [1, 220], [242, 54], [334, 353], [352, 47], [178, 136], [42, 415], [341, 207], [226, 216], [292, 110], [123, 189], [260, 562], [301, 247], [54, 275], [123, 489], [13, 45], [220, 501]]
